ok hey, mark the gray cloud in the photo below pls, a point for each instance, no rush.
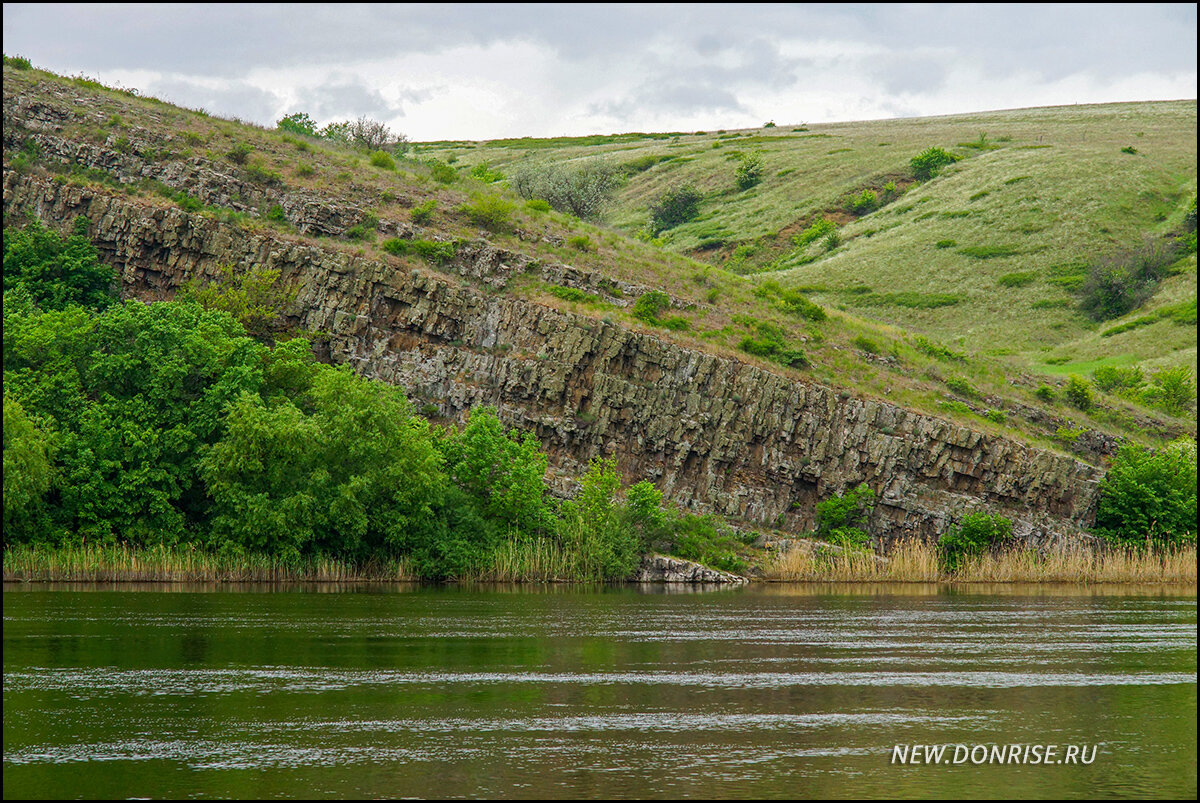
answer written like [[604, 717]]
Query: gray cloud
[[629, 61]]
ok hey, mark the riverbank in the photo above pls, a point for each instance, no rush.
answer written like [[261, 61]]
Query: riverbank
[[908, 562]]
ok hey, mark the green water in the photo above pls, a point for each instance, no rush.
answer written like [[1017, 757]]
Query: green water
[[765, 692]]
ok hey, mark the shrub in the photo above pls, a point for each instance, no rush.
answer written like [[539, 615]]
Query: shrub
[[1110, 378], [749, 171], [239, 153], [431, 251], [486, 174], [490, 211], [650, 305], [298, 123], [936, 350], [946, 243], [866, 344], [832, 240], [56, 271], [675, 206], [842, 519], [422, 213], [926, 164], [1123, 282], [1130, 150], [262, 175], [304, 169], [581, 243], [1173, 390], [1079, 392], [818, 229], [1017, 279], [1150, 496], [382, 160], [974, 535], [255, 298], [996, 416], [582, 191], [538, 205], [962, 387], [570, 294], [1045, 393], [442, 172], [17, 62], [276, 214], [863, 203]]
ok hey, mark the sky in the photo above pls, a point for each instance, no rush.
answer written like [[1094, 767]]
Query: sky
[[486, 71]]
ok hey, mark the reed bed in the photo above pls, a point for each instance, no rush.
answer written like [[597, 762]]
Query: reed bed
[[90, 563], [537, 561], [917, 561]]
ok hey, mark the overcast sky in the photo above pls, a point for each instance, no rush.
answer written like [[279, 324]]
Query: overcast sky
[[471, 71]]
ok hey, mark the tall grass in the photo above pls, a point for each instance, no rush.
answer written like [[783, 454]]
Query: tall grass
[[917, 561], [180, 564]]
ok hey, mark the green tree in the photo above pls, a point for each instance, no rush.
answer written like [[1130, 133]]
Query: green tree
[[504, 472], [28, 464], [674, 206], [344, 470], [1150, 496], [592, 526], [298, 123], [56, 271]]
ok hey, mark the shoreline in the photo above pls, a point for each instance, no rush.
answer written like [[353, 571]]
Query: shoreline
[[912, 563]]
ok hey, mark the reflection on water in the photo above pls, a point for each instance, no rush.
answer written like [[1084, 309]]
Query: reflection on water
[[776, 691]]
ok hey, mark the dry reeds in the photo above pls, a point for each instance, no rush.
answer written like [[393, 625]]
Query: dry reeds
[[180, 564], [917, 561]]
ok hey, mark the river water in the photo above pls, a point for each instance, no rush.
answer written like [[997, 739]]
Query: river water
[[771, 691]]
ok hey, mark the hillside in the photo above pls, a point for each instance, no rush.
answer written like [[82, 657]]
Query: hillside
[[984, 256], [732, 393]]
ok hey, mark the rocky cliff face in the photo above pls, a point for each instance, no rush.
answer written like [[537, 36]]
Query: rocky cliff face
[[712, 432]]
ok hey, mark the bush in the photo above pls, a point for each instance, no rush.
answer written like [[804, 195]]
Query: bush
[[382, 160], [818, 229], [582, 191], [276, 214], [1150, 496], [1046, 393], [239, 153], [255, 298], [423, 213], [538, 205], [962, 387], [486, 174], [1110, 378], [842, 519], [975, 534], [17, 62], [56, 272], [1123, 282], [650, 305], [863, 203], [429, 250], [674, 206], [442, 172], [581, 243], [490, 211], [1173, 390], [1079, 392], [749, 171], [926, 164], [298, 123]]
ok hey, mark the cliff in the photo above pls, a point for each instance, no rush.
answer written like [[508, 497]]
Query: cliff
[[713, 432]]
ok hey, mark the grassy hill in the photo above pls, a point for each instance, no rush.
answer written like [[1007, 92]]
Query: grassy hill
[[1037, 197]]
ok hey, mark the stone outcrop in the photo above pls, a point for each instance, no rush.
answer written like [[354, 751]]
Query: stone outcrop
[[713, 433], [664, 569]]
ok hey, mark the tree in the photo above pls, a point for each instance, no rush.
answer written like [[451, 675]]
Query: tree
[[582, 191], [749, 171], [298, 123], [1150, 496], [675, 206], [56, 271]]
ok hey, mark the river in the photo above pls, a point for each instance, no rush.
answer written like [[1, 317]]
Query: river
[[768, 691]]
